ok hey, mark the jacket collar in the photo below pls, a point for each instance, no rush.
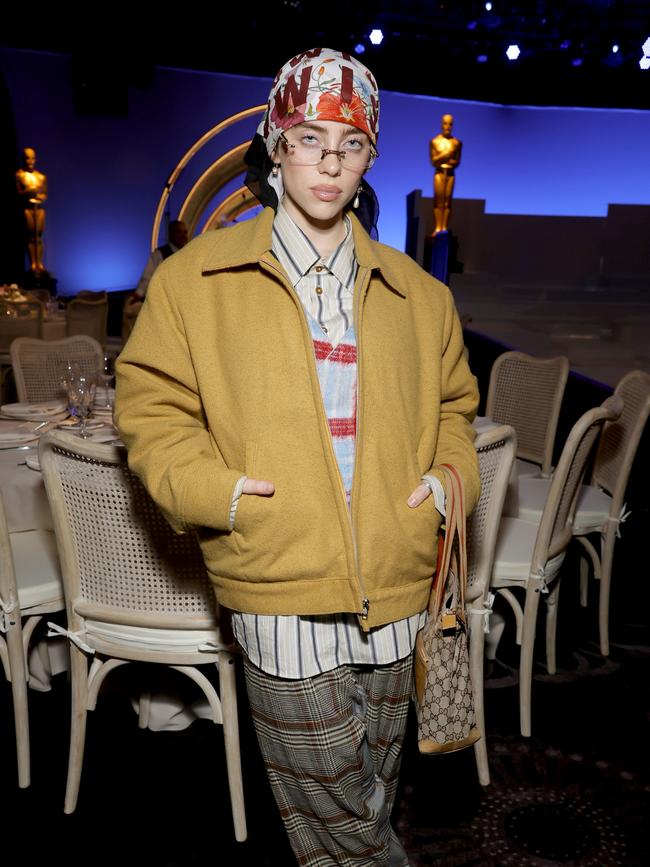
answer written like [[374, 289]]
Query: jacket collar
[[254, 242]]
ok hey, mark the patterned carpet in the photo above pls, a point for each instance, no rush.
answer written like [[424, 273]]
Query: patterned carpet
[[577, 793]]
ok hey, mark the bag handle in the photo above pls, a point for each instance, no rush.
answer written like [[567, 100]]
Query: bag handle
[[454, 542]]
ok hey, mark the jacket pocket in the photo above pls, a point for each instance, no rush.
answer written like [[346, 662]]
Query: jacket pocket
[[247, 512]]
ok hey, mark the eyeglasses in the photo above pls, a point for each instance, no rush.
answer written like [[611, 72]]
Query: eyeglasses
[[356, 154]]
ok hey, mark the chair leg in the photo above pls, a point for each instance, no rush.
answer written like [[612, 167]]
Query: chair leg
[[79, 691], [492, 639], [526, 660], [228, 691], [144, 710], [584, 581], [552, 601], [476, 663], [607, 559], [19, 695]]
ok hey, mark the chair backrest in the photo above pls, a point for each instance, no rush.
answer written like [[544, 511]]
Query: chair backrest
[[496, 455], [121, 561], [88, 315], [42, 295], [39, 364], [556, 526], [620, 438], [19, 319], [526, 392], [92, 295], [129, 315]]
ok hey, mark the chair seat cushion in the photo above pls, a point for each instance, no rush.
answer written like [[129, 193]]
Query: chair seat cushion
[[527, 469], [591, 514], [144, 637], [36, 564], [593, 510], [514, 552]]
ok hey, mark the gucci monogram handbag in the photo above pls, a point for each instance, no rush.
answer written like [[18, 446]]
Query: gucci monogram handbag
[[444, 700]]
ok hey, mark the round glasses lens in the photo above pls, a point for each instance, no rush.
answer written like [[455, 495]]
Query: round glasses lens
[[309, 151]]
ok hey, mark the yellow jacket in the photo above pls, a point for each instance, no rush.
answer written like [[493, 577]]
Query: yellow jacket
[[218, 379]]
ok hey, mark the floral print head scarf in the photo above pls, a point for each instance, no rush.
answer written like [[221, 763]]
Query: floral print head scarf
[[321, 84]]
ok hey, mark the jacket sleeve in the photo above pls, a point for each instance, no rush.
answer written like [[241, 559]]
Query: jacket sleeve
[[458, 404], [160, 418]]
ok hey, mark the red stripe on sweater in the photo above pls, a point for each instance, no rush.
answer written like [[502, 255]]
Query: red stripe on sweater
[[343, 427], [345, 353]]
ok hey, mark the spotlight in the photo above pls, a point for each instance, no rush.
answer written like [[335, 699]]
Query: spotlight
[[359, 48], [644, 63], [488, 7], [482, 58], [513, 52], [565, 44], [615, 48], [577, 61], [646, 47], [376, 36]]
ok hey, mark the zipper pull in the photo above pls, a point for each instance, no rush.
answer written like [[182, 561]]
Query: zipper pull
[[365, 608]]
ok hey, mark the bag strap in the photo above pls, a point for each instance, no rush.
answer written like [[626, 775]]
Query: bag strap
[[454, 541]]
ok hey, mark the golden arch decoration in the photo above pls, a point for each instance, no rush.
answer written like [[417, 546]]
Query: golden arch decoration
[[214, 178]]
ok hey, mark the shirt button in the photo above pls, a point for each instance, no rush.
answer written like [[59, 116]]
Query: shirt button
[[319, 268], [324, 329], [319, 290]]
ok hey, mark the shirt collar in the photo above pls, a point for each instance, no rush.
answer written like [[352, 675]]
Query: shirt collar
[[251, 242], [297, 254]]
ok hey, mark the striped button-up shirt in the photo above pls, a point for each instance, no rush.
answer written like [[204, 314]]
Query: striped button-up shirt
[[294, 646]]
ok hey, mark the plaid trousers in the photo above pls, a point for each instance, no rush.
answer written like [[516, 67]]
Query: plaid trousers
[[332, 747]]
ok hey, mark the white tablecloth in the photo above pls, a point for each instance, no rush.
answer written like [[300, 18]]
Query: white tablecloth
[[23, 493]]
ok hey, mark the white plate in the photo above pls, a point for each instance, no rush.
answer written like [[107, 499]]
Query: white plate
[[33, 463], [13, 440], [36, 411]]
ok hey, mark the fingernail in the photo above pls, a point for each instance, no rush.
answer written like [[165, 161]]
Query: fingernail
[[411, 501]]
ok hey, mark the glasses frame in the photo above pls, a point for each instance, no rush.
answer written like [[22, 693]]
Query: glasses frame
[[374, 153]]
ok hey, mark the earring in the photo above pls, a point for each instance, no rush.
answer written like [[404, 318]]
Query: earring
[[275, 171], [355, 203]]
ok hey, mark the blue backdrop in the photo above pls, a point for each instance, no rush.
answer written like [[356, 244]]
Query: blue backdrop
[[106, 175]]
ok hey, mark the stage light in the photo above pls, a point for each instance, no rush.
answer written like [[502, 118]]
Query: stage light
[[646, 47], [565, 44], [614, 48], [482, 58], [359, 48], [513, 52], [577, 61], [376, 36], [644, 63], [488, 7]]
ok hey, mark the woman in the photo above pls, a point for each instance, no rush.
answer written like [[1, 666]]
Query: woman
[[289, 388]]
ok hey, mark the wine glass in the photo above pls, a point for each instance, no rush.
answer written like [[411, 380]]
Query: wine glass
[[81, 396], [107, 373], [68, 373]]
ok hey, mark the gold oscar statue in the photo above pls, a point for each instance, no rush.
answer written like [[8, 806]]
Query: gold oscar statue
[[445, 157], [32, 191]]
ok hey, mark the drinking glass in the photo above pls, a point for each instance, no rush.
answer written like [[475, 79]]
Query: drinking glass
[[81, 396], [69, 371], [107, 373]]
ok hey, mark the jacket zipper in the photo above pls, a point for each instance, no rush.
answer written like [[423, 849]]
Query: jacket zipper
[[365, 602]]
